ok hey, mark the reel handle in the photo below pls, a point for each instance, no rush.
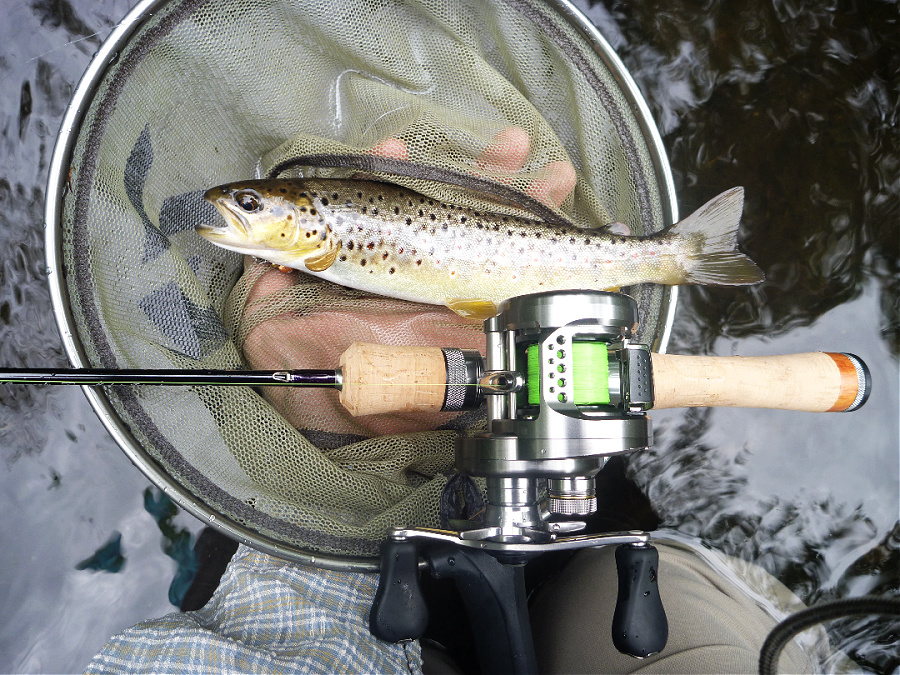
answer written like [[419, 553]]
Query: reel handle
[[811, 382]]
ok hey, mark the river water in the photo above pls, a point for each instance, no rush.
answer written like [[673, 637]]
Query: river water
[[796, 101]]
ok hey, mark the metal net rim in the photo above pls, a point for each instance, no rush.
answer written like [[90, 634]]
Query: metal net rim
[[57, 186]]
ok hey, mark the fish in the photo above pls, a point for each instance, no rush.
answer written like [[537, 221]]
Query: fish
[[389, 240]]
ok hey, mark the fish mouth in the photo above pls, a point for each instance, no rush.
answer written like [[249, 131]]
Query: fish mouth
[[235, 220]]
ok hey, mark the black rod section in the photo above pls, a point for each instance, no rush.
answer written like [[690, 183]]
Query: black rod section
[[235, 378]]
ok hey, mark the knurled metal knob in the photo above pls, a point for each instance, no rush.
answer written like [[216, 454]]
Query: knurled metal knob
[[569, 506]]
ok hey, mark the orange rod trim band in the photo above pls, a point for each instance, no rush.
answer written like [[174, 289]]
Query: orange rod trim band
[[849, 382]]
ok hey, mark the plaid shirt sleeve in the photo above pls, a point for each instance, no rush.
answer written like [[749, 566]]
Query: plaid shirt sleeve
[[267, 616]]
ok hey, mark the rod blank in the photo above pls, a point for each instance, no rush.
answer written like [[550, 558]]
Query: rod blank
[[236, 378]]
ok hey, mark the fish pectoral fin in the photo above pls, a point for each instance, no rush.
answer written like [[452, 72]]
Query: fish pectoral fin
[[473, 309], [321, 262]]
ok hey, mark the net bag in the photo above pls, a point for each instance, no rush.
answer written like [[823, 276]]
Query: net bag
[[188, 95]]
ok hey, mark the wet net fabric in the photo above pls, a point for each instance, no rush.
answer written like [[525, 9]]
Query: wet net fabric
[[210, 92]]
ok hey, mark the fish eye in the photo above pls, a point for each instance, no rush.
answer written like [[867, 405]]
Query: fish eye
[[248, 200]]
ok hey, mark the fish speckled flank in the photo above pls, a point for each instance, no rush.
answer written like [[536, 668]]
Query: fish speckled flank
[[385, 239]]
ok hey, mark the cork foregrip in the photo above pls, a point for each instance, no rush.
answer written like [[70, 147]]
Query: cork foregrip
[[381, 379]]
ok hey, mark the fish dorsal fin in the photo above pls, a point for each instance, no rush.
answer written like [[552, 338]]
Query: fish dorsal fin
[[473, 308], [321, 262]]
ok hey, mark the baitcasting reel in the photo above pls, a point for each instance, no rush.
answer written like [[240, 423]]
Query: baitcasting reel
[[562, 395]]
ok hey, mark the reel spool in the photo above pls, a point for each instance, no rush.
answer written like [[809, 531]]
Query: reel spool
[[188, 94]]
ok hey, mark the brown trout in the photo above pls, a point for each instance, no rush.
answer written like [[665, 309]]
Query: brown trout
[[389, 240]]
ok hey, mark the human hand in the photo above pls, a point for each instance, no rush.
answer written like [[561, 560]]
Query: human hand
[[316, 339]]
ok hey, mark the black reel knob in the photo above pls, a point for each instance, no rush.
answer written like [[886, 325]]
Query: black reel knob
[[399, 611], [639, 625]]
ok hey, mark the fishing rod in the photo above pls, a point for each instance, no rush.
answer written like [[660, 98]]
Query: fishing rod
[[378, 379]]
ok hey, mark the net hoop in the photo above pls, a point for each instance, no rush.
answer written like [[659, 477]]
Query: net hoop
[[57, 186]]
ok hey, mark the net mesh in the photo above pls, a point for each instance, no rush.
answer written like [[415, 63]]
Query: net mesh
[[208, 92]]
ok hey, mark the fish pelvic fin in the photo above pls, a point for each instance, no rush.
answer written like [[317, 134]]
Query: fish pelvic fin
[[473, 309], [715, 225]]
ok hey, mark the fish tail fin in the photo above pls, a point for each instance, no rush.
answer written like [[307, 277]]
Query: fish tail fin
[[716, 225]]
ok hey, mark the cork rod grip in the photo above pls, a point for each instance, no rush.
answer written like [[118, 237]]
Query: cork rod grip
[[384, 379], [813, 382]]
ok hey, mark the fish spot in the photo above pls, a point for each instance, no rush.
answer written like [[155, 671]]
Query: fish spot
[[363, 262], [370, 245], [409, 221], [421, 213], [359, 195], [308, 235], [312, 212], [391, 271], [396, 210], [302, 209], [343, 258], [363, 209], [334, 196], [384, 256], [371, 200], [445, 226], [324, 201], [418, 262], [572, 241], [462, 219], [290, 216], [400, 251], [432, 216], [374, 211], [282, 190], [350, 246]]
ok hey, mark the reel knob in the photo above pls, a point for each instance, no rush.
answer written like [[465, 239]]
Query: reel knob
[[640, 627]]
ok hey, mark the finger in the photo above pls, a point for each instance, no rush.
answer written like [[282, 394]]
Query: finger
[[555, 183], [507, 151], [268, 280], [392, 148]]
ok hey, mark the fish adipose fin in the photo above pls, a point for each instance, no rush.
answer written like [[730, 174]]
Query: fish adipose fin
[[718, 262], [473, 309]]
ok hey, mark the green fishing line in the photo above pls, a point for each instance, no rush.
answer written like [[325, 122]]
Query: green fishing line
[[589, 374]]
